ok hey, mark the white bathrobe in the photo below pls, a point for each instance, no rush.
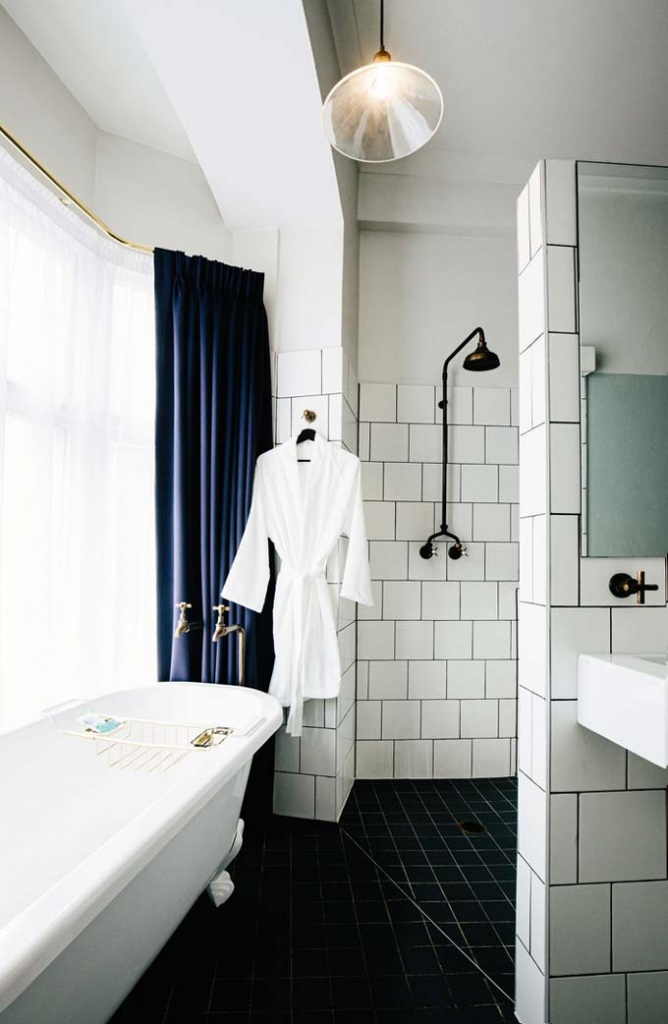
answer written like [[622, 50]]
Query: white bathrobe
[[303, 507]]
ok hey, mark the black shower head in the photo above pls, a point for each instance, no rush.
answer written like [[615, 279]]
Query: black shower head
[[481, 358]]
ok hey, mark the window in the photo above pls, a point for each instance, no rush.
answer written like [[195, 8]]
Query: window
[[77, 399]]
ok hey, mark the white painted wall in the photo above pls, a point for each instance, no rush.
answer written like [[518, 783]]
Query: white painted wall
[[44, 116], [351, 286], [433, 202], [320, 29], [158, 199], [421, 294], [94, 50], [302, 286], [144, 194], [310, 276]]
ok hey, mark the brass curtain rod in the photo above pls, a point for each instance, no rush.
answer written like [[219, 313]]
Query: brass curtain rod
[[69, 197]]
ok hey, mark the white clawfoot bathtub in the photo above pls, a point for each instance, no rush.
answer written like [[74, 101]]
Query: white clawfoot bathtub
[[99, 864]]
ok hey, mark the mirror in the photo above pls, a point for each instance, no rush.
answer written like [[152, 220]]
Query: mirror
[[623, 303]]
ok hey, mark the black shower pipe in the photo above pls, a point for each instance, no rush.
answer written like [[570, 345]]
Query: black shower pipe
[[457, 549]]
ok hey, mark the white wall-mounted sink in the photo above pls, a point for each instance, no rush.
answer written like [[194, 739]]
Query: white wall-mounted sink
[[624, 697]]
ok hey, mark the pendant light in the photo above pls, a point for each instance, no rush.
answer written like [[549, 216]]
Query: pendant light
[[384, 110]]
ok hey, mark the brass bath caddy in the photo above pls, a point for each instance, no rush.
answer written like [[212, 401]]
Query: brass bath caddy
[[142, 744]]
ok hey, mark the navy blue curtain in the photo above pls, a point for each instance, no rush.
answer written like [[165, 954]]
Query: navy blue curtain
[[213, 420]]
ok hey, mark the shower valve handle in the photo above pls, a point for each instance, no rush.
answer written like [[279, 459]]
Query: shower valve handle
[[623, 585]]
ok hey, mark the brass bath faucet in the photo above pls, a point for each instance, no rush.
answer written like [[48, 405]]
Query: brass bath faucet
[[182, 626], [223, 630]]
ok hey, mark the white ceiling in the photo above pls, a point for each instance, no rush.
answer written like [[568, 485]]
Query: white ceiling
[[525, 79], [94, 49]]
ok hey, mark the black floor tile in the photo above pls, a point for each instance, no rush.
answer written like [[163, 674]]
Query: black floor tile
[[312, 994], [391, 992], [193, 994], [351, 994], [130, 1016], [346, 962], [420, 960], [354, 1017], [393, 916], [226, 996], [309, 963]]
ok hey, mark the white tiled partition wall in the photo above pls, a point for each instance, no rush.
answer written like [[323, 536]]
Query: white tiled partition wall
[[592, 896], [314, 774], [437, 683]]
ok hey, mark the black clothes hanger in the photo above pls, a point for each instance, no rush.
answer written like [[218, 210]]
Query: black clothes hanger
[[308, 433]]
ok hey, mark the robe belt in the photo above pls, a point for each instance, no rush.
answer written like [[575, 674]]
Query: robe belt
[[302, 579], [297, 574]]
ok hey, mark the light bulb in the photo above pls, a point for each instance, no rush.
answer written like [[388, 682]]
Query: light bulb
[[381, 84]]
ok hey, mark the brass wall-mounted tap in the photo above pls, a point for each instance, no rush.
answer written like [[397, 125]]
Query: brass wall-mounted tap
[[182, 626], [223, 630]]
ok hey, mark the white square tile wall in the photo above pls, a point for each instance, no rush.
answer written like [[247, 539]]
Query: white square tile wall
[[426, 680], [596, 999], [580, 929], [440, 646], [602, 811], [314, 774], [415, 404], [640, 926], [413, 759], [647, 997], [622, 818]]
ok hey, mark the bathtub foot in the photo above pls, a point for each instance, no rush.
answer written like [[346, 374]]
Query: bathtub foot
[[220, 888], [237, 844]]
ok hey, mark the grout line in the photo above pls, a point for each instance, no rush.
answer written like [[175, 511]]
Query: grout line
[[425, 914], [610, 933]]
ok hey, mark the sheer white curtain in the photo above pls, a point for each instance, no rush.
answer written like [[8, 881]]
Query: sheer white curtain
[[77, 398]]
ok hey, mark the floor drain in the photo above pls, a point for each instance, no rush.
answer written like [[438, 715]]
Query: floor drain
[[471, 827]]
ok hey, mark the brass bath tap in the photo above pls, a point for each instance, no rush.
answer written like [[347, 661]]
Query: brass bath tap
[[182, 626], [223, 630]]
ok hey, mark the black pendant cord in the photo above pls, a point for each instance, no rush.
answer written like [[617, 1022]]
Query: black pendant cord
[[382, 24]]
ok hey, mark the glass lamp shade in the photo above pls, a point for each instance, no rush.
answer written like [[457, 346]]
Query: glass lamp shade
[[382, 111]]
